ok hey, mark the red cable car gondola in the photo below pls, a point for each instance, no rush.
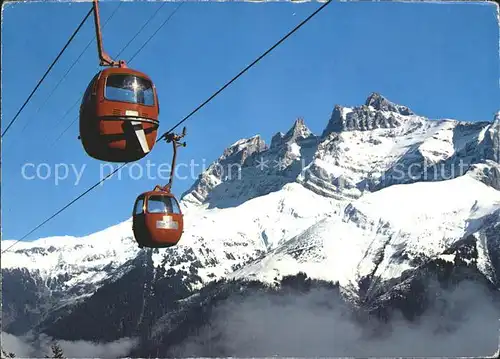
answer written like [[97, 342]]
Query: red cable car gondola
[[158, 220], [119, 110], [157, 217]]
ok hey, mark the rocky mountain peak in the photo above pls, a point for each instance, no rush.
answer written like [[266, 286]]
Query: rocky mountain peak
[[261, 169], [239, 151], [299, 131], [377, 113], [236, 154], [379, 102]]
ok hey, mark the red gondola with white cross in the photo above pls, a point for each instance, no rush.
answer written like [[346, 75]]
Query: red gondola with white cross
[[119, 110]]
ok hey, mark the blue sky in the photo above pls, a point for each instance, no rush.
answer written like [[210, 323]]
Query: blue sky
[[441, 60]]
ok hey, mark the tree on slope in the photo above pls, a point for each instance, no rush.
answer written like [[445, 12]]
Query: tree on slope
[[57, 352], [7, 355]]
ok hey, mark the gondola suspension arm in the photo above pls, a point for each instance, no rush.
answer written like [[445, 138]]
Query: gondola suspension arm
[[104, 58], [175, 140]]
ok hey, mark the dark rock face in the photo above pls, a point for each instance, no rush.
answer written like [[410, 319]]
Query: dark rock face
[[126, 307], [488, 173], [229, 164], [249, 168], [411, 292], [359, 119], [24, 299], [363, 119], [491, 140]]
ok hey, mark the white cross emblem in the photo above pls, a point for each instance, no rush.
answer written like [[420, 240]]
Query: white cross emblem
[[167, 223]]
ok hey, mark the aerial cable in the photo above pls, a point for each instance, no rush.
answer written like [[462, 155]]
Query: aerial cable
[[65, 130], [72, 65], [79, 98], [248, 67], [61, 210], [140, 30], [163, 24], [47, 72], [64, 76], [159, 139]]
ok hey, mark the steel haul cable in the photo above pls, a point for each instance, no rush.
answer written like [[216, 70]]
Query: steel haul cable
[[249, 66], [159, 28], [65, 75], [61, 210], [184, 119], [47, 72], [72, 65], [141, 29]]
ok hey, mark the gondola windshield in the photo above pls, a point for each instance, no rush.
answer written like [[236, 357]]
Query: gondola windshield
[[162, 204], [129, 88]]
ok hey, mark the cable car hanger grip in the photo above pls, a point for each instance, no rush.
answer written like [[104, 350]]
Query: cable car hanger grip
[[105, 59], [175, 139]]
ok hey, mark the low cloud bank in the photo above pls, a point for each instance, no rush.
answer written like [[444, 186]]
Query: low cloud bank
[[462, 322]]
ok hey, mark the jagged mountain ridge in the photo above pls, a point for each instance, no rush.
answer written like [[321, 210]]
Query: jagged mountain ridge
[[309, 180]]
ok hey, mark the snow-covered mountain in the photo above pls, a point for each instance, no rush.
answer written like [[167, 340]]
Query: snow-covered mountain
[[381, 193]]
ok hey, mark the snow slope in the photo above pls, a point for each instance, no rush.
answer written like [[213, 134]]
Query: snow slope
[[248, 231], [374, 232]]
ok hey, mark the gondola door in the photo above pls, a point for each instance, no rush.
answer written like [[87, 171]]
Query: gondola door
[[139, 226]]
